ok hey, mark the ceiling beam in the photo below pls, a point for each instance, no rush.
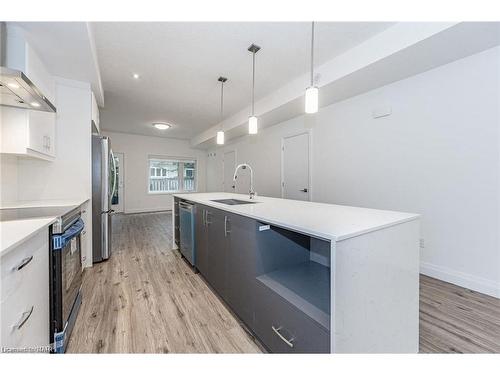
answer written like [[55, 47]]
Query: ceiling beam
[[402, 50]]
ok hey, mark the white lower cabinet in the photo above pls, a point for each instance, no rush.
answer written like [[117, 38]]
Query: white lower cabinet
[[28, 133], [25, 295]]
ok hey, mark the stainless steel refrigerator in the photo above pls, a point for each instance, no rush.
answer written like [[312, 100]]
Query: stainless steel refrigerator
[[103, 188]]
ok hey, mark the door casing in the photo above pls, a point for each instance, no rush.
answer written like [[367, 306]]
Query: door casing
[[309, 133]]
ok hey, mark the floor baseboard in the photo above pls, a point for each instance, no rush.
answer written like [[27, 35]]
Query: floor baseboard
[[468, 281]]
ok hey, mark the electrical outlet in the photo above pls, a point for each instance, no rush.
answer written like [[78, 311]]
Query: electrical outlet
[[422, 243]]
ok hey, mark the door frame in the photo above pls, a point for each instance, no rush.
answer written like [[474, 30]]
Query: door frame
[[224, 164], [291, 135], [122, 179]]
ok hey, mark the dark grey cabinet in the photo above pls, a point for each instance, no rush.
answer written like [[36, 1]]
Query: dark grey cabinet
[[283, 328], [275, 280], [201, 239], [217, 249], [240, 266], [225, 256]]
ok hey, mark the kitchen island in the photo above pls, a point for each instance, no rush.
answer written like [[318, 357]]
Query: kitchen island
[[310, 270]]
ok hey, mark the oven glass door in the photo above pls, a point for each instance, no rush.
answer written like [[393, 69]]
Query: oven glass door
[[71, 274]]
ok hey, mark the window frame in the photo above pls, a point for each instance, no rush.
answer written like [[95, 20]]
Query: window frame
[[180, 173]]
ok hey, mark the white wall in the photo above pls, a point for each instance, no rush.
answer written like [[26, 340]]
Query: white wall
[[69, 175], [437, 155], [8, 178], [136, 150]]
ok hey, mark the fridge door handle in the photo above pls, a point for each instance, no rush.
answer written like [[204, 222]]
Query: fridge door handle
[[115, 175], [105, 198], [105, 236]]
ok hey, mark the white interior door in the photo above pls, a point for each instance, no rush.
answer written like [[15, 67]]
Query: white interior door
[[295, 167], [117, 198], [229, 165]]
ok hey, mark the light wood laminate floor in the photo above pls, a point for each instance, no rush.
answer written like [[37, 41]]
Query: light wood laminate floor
[[457, 320], [146, 299]]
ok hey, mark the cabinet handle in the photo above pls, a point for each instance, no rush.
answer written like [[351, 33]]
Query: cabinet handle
[[277, 332], [23, 263], [48, 143], [206, 219], [226, 232], [24, 318]]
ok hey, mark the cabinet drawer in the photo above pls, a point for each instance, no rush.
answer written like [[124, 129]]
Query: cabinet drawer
[[277, 321], [21, 265], [34, 312], [25, 295]]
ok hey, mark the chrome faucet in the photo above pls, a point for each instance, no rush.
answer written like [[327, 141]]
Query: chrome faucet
[[245, 166]]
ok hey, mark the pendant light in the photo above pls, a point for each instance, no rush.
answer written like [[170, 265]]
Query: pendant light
[[252, 120], [220, 133], [312, 91]]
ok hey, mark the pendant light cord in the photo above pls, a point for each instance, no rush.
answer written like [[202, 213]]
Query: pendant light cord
[[253, 84], [312, 54], [221, 103]]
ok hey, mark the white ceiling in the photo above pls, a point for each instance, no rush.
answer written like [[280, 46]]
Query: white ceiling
[[179, 64]]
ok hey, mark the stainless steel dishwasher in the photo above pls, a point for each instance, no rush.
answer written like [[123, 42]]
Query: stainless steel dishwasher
[[186, 219]]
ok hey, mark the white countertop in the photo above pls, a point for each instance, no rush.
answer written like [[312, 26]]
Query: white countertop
[[43, 203], [15, 232], [328, 221]]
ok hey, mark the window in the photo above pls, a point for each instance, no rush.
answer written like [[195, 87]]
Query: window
[[171, 175]]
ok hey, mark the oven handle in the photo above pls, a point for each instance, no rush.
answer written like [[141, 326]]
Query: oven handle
[[58, 242]]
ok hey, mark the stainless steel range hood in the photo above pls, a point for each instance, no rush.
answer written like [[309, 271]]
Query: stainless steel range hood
[[18, 91]]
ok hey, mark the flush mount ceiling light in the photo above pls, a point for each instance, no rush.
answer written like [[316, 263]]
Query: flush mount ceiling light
[[13, 85], [252, 120], [35, 104], [136, 76], [312, 91], [220, 133], [162, 125]]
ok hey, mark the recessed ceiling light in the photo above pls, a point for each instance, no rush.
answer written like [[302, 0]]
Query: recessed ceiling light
[[35, 104], [161, 125], [13, 85], [136, 76]]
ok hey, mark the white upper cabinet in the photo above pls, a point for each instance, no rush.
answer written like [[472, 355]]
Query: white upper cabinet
[[95, 112], [27, 132]]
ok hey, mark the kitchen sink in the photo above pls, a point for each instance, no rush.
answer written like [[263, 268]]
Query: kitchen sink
[[232, 202]]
